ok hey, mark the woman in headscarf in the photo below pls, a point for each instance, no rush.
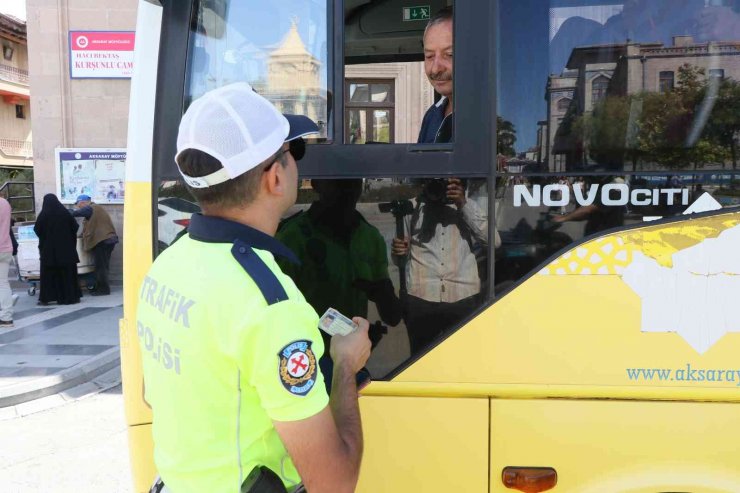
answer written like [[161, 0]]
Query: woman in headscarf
[[57, 232]]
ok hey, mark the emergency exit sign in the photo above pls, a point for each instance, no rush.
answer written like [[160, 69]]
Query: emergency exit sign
[[421, 13]]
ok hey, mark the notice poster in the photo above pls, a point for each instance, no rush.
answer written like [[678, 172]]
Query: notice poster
[[99, 173], [101, 54], [109, 178]]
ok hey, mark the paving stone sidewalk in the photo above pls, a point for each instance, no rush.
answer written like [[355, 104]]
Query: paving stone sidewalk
[[58, 353]]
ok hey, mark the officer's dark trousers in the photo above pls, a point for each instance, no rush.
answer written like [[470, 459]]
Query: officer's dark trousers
[[101, 253], [427, 320]]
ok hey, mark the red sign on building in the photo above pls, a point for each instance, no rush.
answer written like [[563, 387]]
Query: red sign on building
[[101, 54]]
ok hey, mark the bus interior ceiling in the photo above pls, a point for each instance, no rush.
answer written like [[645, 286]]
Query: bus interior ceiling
[[375, 31]]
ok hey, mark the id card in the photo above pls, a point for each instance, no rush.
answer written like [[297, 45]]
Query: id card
[[332, 322]]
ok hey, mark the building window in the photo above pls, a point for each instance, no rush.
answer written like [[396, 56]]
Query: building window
[[564, 104], [8, 52], [716, 73], [599, 87], [20, 112], [369, 111], [665, 81]]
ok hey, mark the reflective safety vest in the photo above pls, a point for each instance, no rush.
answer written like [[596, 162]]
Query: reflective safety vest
[[228, 345]]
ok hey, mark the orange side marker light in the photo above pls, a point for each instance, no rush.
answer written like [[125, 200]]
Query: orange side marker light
[[529, 479]]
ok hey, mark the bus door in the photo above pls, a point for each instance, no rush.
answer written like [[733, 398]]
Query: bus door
[[358, 70]]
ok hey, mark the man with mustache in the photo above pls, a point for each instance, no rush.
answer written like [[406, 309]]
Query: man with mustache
[[437, 125], [446, 226]]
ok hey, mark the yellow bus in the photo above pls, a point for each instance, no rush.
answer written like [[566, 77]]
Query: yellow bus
[[585, 336]]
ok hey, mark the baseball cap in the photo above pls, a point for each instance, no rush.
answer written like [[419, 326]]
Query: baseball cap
[[238, 127], [82, 197]]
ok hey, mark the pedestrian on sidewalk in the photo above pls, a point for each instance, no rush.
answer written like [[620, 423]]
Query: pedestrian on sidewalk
[[6, 254], [57, 232], [98, 236]]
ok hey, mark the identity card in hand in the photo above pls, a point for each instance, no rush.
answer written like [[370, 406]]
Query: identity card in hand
[[332, 322]]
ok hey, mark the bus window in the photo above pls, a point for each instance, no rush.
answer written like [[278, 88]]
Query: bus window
[[279, 48], [342, 230], [612, 113], [640, 85], [537, 216], [175, 206], [387, 87]]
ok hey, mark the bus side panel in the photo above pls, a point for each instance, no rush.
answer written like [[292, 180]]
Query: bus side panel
[[137, 258], [141, 453], [424, 444], [619, 446], [651, 308]]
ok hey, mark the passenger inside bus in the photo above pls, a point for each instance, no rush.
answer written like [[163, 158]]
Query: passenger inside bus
[[446, 227], [443, 234], [438, 125], [344, 262]]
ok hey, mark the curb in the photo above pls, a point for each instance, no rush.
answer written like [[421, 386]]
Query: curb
[[12, 395]]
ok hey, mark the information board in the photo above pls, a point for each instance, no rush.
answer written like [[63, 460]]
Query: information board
[[99, 173]]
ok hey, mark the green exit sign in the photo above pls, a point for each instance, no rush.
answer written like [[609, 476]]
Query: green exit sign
[[420, 13]]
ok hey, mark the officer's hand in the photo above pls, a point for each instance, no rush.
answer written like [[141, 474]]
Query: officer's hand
[[456, 192], [400, 247], [352, 350]]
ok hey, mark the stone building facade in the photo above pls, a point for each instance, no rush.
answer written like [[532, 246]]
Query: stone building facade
[[593, 72], [560, 94], [74, 112], [15, 108]]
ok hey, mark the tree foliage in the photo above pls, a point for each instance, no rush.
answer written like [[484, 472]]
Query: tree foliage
[[696, 124], [505, 137]]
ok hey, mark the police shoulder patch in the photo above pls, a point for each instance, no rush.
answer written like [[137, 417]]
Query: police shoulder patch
[[297, 368]]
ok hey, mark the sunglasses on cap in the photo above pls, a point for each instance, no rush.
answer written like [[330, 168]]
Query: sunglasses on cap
[[296, 148]]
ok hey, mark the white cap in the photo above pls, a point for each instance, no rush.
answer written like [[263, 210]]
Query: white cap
[[238, 127]]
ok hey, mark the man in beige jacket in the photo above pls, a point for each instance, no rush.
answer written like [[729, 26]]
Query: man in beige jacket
[[98, 236]]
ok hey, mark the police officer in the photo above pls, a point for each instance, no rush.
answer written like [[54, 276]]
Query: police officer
[[229, 344]]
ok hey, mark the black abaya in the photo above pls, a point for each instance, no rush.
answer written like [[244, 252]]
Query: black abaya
[[57, 232]]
